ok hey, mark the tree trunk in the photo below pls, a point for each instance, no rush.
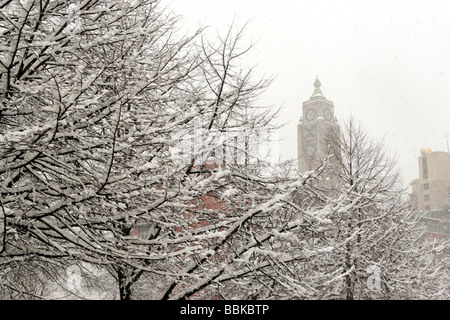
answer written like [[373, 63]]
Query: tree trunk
[[348, 278], [124, 285]]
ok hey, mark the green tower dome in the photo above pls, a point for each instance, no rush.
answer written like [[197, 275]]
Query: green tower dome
[[317, 91]]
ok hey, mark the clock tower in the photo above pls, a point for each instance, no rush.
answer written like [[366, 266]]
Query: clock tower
[[317, 130]]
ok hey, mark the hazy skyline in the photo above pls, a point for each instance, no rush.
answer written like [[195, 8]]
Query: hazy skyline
[[384, 62]]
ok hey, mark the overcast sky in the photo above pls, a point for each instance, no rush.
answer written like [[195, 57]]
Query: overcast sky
[[384, 62]]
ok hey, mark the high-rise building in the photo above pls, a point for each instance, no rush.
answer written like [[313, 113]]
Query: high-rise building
[[317, 126], [431, 190]]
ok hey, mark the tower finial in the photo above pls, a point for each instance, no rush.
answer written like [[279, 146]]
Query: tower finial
[[317, 90]]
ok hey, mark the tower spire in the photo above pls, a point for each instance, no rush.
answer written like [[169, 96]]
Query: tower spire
[[317, 90]]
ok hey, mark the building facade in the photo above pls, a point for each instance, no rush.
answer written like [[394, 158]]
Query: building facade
[[316, 128], [431, 191]]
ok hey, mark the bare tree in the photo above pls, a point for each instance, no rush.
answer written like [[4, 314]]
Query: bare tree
[[96, 97], [378, 246]]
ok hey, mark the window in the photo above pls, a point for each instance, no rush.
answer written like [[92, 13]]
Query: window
[[309, 133], [427, 197], [424, 167], [427, 208], [426, 186]]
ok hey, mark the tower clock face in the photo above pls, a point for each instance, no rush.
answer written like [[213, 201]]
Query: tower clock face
[[310, 114], [328, 115]]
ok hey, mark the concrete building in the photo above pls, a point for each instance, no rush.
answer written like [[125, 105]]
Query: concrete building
[[316, 127], [431, 190]]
